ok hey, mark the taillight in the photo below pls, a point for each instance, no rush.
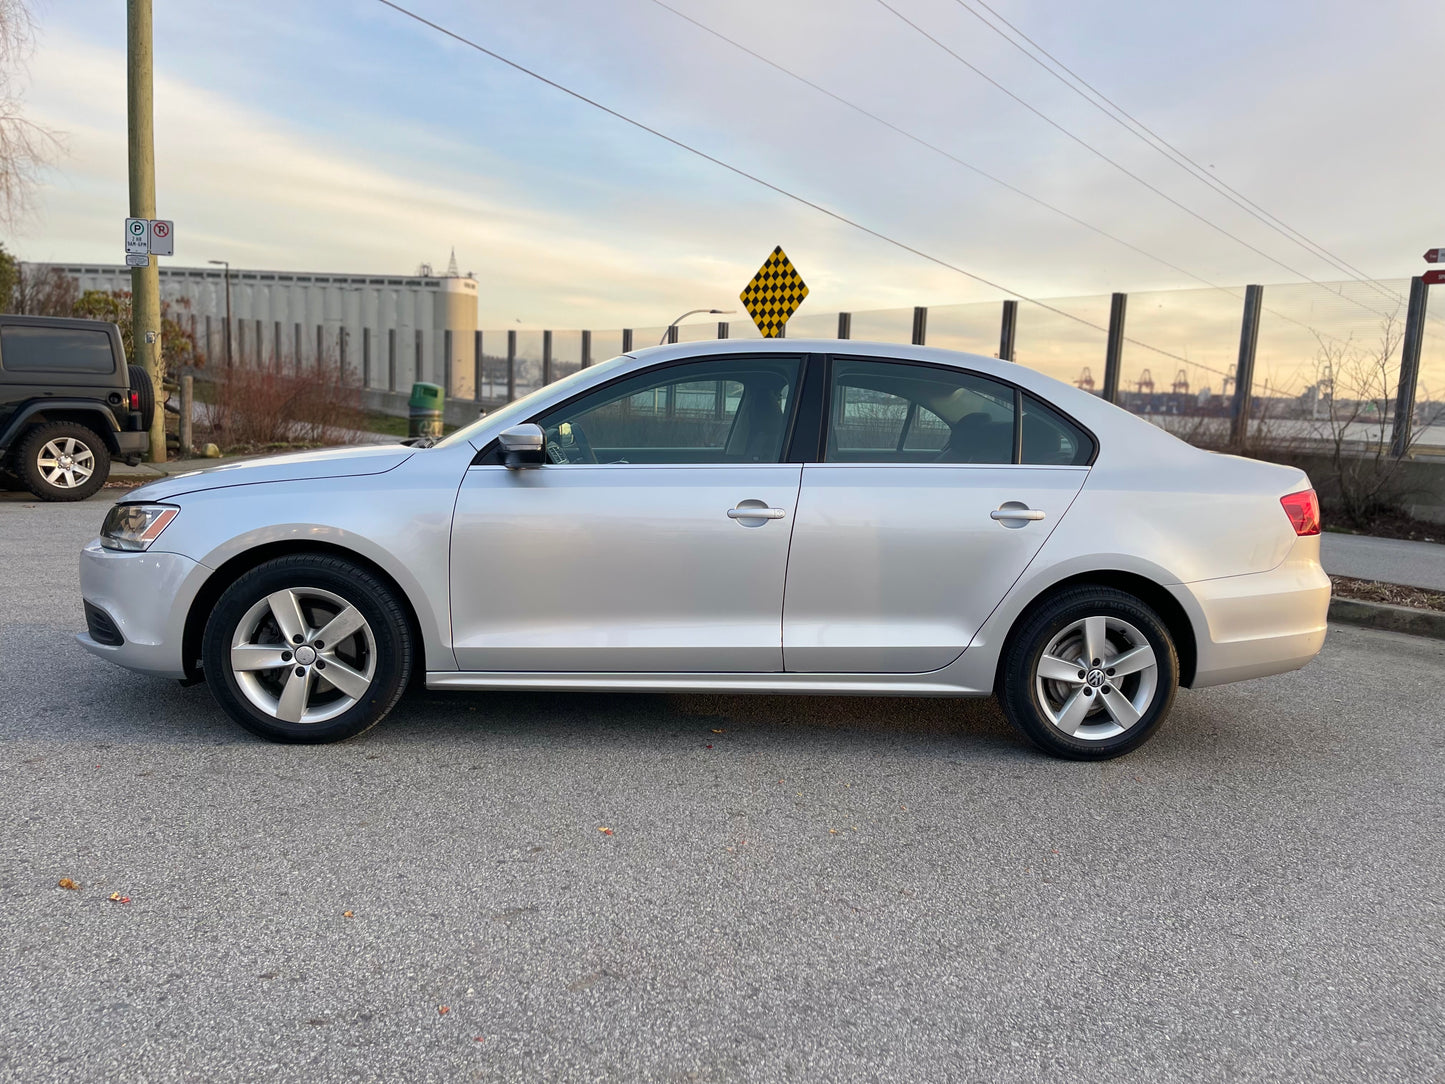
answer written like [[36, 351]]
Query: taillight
[[1303, 509], [135, 400]]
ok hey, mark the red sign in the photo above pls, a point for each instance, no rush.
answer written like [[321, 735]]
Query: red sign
[[1435, 255], [1434, 278]]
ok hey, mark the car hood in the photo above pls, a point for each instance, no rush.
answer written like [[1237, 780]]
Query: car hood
[[324, 463]]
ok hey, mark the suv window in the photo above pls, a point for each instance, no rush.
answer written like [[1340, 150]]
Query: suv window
[[721, 410], [899, 412], [55, 350]]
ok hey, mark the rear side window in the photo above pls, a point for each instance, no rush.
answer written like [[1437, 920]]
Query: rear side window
[[1050, 439], [55, 350]]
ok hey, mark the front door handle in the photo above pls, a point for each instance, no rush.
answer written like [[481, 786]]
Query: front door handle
[[756, 511]]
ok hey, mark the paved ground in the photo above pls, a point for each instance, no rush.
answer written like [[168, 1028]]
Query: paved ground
[[1393, 560], [795, 889]]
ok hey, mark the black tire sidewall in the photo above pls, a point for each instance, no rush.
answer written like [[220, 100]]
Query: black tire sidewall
[[27, 461], [140, 383], [1019, 698], [359, 587]]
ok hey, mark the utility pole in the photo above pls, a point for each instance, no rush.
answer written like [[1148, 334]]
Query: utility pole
[[145, 281]]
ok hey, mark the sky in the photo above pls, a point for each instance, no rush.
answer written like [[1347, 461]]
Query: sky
[[339, 135]]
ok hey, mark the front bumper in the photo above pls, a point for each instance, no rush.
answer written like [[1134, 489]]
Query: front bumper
[[147, 596], [1260, 624]]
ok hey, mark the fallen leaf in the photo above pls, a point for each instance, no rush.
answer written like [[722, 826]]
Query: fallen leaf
[[709, 746], [479, 1038], [347, 914], [66, 882], [605, 831], [832, 831], [719, 731], [116, 897], [442, 1010]]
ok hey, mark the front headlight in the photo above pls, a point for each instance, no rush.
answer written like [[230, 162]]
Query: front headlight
[[135, 526]]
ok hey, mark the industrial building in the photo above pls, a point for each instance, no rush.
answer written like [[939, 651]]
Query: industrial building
[[384, 331]]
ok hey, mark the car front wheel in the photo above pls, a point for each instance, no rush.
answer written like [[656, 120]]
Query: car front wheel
[[1090, 675], [307, 649]]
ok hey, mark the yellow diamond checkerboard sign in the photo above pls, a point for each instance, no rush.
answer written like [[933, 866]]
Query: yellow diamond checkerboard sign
[[774, 294]]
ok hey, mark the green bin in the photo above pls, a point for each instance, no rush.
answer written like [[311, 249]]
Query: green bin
[[425, 419]]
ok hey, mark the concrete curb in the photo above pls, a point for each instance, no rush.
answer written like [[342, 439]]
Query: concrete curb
[[1381, 615]]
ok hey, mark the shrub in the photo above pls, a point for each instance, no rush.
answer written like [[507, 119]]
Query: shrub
[[252, 407]]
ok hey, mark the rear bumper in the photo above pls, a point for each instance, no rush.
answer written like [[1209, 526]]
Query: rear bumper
[[133, 443], [1260, 624], [146, 596]]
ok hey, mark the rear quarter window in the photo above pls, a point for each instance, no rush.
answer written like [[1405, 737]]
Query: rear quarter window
[[1050, 439], [55, 350]]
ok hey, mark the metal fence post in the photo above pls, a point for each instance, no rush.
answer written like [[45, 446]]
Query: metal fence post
[[280, 349], [447, 361], [477, 370], [1007, 329], [671, 334], [920, 324], [586, 349], [782, 332], [1114, 351], [511, 365], [845, 325], [722, 329], [546, 358], [419, 361], [1244, 373], [391, 359], [1409, 367], [296, 354], [320, 344], [260, 345], [342, 337], [366, 357], [627, 340]]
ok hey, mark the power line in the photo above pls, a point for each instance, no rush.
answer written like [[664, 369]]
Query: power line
[[769, 185], [1140, 130], [1121, 168], [980, 172]]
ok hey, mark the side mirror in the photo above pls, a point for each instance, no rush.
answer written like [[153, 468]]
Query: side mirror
[[523, 446]]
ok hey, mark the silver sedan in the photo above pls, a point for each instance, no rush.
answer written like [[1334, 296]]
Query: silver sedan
[[776, 516]]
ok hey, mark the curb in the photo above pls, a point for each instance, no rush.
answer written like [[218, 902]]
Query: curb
[[1381, 615]]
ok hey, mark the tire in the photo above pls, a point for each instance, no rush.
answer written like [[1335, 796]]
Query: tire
[[62, 461], [141, 384], [294, 701], [1073, 707]]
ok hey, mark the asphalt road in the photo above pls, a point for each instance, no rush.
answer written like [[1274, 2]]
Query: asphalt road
[[793, 889]]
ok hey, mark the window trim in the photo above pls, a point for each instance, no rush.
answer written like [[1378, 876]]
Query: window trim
[[489, 453], [1018, 393]]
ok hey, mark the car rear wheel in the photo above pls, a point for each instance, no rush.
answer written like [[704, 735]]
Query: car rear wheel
[[307, 649], [1090, 675], [63, 461]]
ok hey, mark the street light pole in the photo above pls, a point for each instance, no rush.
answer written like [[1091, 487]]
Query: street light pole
[[227, 265], [691, 312]]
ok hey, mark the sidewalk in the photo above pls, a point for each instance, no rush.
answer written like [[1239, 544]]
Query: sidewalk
[[1389, 560]]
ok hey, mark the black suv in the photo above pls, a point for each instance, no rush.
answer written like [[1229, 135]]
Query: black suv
[[69, 403]]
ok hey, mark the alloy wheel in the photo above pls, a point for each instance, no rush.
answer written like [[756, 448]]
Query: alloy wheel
[[303, 655], [1096, 678], [65, 462]]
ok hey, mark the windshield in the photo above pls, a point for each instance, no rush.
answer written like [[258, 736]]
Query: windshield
[[516, 411]]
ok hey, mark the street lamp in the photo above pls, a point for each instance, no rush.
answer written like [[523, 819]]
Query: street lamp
[[692, 312], [227, 265]]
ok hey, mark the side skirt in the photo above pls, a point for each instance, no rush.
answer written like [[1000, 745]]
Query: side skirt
[[787, 684]]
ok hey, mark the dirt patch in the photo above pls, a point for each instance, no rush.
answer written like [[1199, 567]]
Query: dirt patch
[[1394, 594], [1390, 525]]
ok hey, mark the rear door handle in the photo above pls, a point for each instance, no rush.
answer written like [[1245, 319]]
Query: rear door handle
[[757, 512], [1007, 514]]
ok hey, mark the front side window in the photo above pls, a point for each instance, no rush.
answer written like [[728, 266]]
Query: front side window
[[720, 410], [55, 350], [898, 412]]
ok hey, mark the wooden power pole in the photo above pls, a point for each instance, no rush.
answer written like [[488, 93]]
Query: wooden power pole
[[145, 281]]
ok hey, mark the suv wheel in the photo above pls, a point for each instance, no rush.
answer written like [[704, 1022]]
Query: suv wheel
[[307, 649], [63, 461], [1090, 675]]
